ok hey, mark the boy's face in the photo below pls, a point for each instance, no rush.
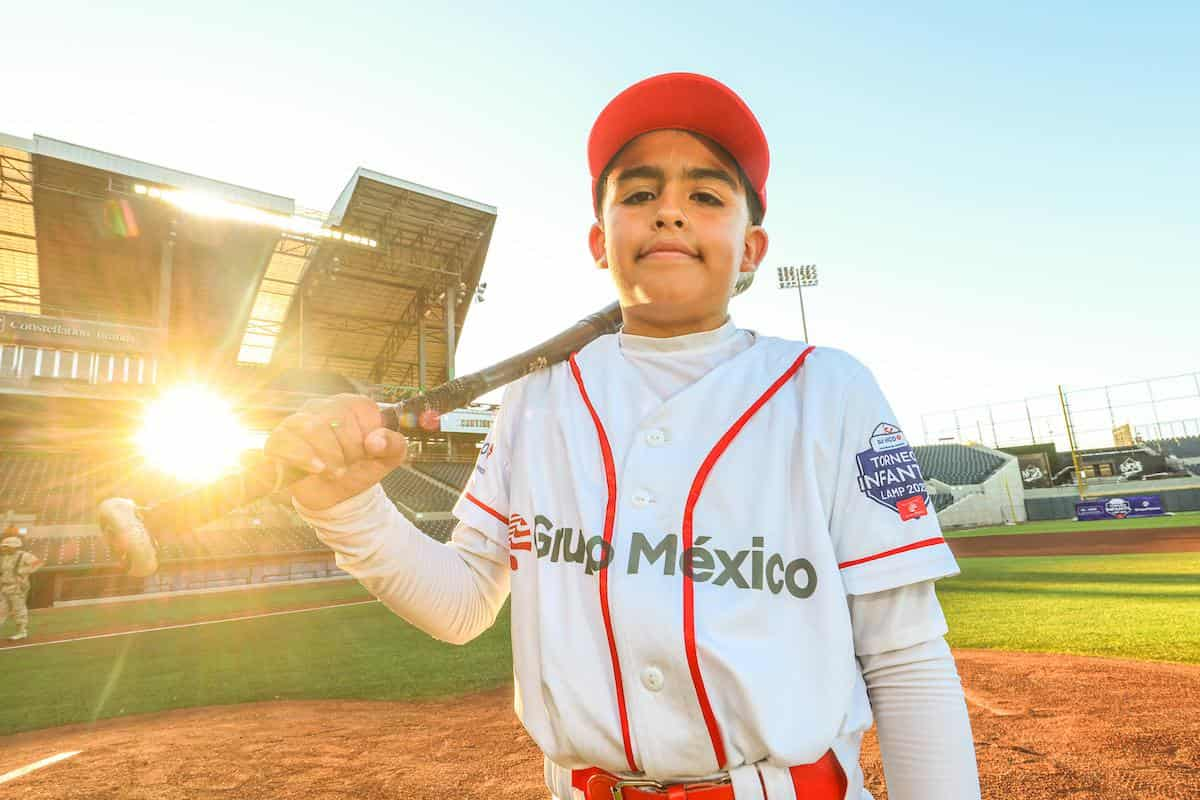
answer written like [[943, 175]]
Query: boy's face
[[675, 232]]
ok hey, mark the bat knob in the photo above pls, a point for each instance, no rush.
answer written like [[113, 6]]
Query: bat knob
[[126, 534]]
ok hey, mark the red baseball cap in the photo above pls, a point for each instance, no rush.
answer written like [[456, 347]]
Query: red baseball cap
[[681, 101]]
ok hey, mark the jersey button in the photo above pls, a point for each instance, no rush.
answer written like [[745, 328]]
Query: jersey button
[[656, 437], [652, 678], [641, 498]]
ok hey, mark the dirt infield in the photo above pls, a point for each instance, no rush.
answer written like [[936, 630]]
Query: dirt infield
[[1046, 726], [1080, 543]]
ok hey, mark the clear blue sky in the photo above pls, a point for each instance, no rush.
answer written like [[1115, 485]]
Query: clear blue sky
[[999, 199]]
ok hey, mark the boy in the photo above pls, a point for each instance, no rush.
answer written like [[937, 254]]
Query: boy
[[717, 543]]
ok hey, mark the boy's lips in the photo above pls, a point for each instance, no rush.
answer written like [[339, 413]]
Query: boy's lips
[[668, 250]]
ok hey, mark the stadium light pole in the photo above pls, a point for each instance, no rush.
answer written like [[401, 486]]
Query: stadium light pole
[[797, 278]]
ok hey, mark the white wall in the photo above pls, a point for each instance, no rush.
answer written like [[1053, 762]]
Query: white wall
[[998, 500]]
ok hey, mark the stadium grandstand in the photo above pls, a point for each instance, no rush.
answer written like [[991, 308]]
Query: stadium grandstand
[[1132, 439], [971, 485], [123, 281]]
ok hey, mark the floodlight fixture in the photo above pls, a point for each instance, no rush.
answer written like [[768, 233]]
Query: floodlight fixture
[[798, 278]]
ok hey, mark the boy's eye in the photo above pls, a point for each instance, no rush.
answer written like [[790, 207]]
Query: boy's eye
[[642, 196], [706, 198]]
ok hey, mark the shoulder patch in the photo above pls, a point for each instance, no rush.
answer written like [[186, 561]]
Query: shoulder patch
[[888, 473]]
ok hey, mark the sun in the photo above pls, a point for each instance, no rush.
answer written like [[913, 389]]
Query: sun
[[192, 434]]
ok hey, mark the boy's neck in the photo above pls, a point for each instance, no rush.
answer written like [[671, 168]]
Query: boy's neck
[[635, 325]]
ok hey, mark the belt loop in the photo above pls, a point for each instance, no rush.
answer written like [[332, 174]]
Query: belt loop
[[747, 783], [776, 782]]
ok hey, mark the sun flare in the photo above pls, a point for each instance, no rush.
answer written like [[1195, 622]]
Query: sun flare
[[192, 434]]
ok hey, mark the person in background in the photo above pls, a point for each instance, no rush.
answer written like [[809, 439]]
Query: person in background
[[16, 565]]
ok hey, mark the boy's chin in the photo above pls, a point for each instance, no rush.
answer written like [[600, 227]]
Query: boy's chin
[[672, 296], [669, 305]]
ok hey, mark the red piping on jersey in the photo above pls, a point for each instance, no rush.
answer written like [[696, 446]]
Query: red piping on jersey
[[486, 507], [689, 609], [610, 514], [894, 551]]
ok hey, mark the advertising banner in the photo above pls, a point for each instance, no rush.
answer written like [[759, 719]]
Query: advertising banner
[[1135, 505], [76, 334], [466, 420], [1035, 470]]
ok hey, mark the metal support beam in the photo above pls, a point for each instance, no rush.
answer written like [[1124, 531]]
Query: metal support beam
[[165, 269], [451, 308], [357, 276], [395, 340], [421, 341]]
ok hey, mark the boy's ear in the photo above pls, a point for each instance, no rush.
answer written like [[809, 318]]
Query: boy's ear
[[596, 241], [755, 249]]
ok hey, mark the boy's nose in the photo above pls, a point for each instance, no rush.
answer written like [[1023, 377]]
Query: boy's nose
[[669, 217]]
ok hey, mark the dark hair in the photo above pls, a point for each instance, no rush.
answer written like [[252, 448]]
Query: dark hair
[[753, 203]]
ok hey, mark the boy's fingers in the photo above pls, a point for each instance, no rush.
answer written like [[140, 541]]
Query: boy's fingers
[[364, 410], [286, 446], [349, 437], [323, 440], [387, 447]]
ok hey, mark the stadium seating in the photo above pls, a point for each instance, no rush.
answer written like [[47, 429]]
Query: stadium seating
[[941, 500], [454, 474], [1178, 446], [65, 488], [439, 529], [406, 486], [957, 464]]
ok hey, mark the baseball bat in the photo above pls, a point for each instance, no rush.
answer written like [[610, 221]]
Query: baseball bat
[[131, 531]]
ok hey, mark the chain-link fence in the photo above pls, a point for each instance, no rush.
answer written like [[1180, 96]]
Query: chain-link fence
[[1007, 424], [1115, 415], [1124, 413]]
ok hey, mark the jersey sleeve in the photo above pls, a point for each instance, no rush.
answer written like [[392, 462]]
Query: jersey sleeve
[[883, 525], [484, 503]]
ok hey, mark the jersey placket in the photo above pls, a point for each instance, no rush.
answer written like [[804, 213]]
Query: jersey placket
[[664, 699]]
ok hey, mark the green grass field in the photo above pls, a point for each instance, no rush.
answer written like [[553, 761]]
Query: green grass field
[[79, 620], [1133, 606], [1185, 520], [361, 652]]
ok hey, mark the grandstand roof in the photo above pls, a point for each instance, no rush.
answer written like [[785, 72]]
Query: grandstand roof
[[251, 278], [362, 304]]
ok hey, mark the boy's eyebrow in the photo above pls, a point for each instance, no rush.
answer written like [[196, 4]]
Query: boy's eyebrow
[[700, 173], [641, 171], [653, 173]]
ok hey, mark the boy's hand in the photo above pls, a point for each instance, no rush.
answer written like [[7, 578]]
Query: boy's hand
[[341, 441]]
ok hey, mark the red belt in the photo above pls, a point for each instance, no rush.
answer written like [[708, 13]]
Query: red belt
[[820, 780]]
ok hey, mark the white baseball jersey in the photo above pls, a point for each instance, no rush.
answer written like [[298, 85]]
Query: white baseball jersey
[[680, 567]]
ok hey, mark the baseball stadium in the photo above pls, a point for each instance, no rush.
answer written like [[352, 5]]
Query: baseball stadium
[[155, 325]]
